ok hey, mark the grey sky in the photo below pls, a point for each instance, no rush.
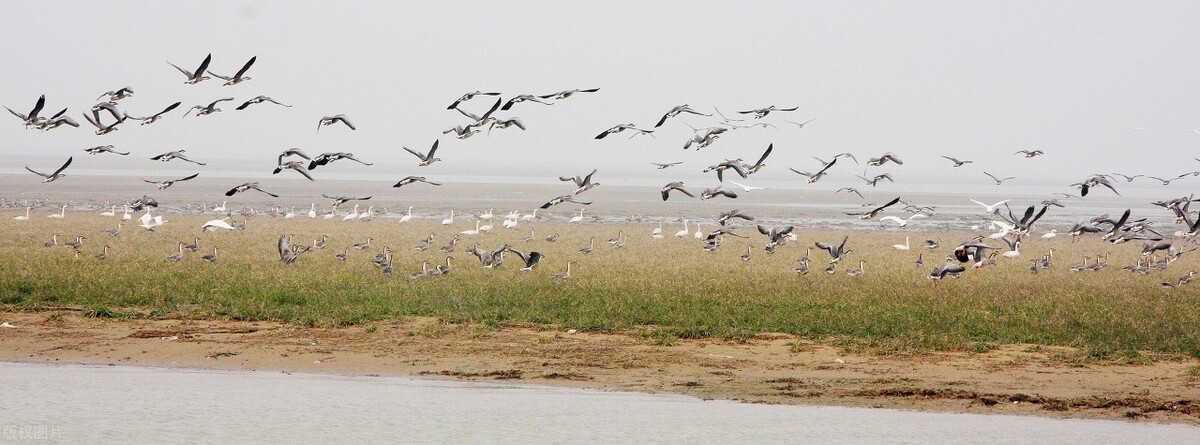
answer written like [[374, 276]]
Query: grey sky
[[973, 79]]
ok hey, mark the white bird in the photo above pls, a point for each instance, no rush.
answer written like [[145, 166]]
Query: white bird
[[215, 224], [577, 218], [991, 208], [487, 216], [530, 216], [407, 216], [509, 223], [332, 212], [745, 187], [901, 222], [471, 232], [684, 232], [111, 212], [1015, 252], [1005, 229], [60, 215], [221, 208], [450, 220], [485, 227], [353, 214], [904, 246], [657, 233], [699, 234], [23, 218], [312, 210], [1051, 234], [126, 216]]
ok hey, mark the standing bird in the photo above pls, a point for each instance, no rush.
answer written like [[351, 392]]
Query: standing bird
[[156, 116], [427, 158], [248, 186], [53, 176], [164, 184], [239, 77], [330, 120], [198, 76]]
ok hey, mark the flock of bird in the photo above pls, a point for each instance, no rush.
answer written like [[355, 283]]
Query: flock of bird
[[1158, 249]]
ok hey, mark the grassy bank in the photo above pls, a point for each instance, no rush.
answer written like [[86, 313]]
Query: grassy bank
[[667, 288]]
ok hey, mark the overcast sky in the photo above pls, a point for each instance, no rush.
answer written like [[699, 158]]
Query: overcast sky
[[1100, 86]]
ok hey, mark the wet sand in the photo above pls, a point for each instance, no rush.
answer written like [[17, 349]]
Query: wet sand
[[770, 368]]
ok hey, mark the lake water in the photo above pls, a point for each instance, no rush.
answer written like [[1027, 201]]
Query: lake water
[[118, 404]]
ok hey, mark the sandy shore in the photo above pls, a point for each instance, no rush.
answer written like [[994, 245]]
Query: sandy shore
[[1013, 379]]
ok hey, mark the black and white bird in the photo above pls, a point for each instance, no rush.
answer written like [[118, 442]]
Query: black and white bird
[[207, 109], [248, 186], [531, 259], [849, 190], [562, 199], [875, 211], [259, 100], [100, 149], [500, 124], [957, 162], [156, 116], [582, 183], [883, 159], [339, 200], [177, 154], [734, 164], [426, 158], [292, 152], [1029, 154], [521, 98], [31, 119], [676, 186], [412, 179], [567, 93], [814, 177], [763, 112], [622, 127], [53, 176], [102, 129], [469, 96], [164, 184], [239, 77], [326, 158], [715, 192], [724, 218], [114, 96], [330, 120], [195, 77], [297, 166], [677, 111], [873, 181], [836, 253]]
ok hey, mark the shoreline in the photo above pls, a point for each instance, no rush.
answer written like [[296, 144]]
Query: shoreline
[[767, 368]]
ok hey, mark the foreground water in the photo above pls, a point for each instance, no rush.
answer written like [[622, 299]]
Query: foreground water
[[104, 404]]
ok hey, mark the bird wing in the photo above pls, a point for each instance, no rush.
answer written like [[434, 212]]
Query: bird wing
[[764, 155], [414, 153], [892, 218], [36, 172], [346, 121], [302, 172], [187, 178], [185, 72], [245, 67], [64, 166], [203, 66]]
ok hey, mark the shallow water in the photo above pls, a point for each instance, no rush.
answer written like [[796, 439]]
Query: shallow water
[[119, 404]]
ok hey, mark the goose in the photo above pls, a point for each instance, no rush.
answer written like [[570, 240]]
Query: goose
[[407, 216], [577, 218], [564, 275], [286, 254], [445, 269], [101, 149], [215, 224], [239, 77], [561, 199], [485, 228], [296, 166], [61, 213], [875, 181], [319, 243], [622, 127], [875, 211], [177, 154], [746, 256], [590, 247], [531, 260], [904, 246], [426, 158], [450, 220], [151, 118], [102, 129], [949, 269], [248, 186], [1029, 154], [567, 93], [103, 255], [195, 246], [474, 231], [412, 179], [1081, 267], [619, 243], [126, 216], [677, 110], [177, 255], [861, 269], [259, 100], [902, 222], [116, 231], [111, 211], [763, 112], [528, 238], [330, 120], [75, 244], [956, 161], [363, 245], [699, 233], [835, 252], [327, 158], [715, 192], [32, 118], [883, 159], [617, 239], [999, 181], [814, 177], [210, 258], [469, 96], [1051, 234], [582, 183], [53, 176], [114, 96], [746, 188], [807, 253], [449, 248], [802, 269], [522, 98], [552, 238], [25, 217], [53, 241], [162, 185], [382, 258], [424, 271], [920, 259], [207, 109], [487, 216], [831, 269], [674, 186], [342, 256], [195, 77]]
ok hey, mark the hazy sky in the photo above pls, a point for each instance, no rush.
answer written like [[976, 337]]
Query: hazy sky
[[977, 80]]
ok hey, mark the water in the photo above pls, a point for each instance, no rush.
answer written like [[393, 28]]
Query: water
[[106, 404]]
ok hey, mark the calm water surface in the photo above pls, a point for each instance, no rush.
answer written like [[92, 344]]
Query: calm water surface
[[103, 404]]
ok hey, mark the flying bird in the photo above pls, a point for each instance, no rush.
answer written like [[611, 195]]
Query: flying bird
[[567, 93], [296, 166], [677, 186], [469, 96], [164, 184], [957, 162], [326, 158], [177, 154], [330, 120], [339, 200], [1029, 154], [849, 190], [31, 119], [582, 183], [560, 200], [248, 186], [814, 177], [259, 100], [99, 149], [156, 116], [719, 191], [763, 112], [198, 76], [412, 179], [662, 166], [239, 77], [53, 176], [426, 158], [622, 127], [522, 98], [114, 96], [999, 180], [677, 111], [207, 109], [292, 152], [883, 159], [873, 212], [871, 182]]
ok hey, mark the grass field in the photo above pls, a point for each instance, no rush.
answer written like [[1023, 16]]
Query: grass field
[[665, 289]]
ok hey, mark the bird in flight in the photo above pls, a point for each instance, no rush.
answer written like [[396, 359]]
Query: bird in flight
[[666, 165], [164, 184], [957, 162], [198, 76], [53, 176], [1030, 154], [999, 180]]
